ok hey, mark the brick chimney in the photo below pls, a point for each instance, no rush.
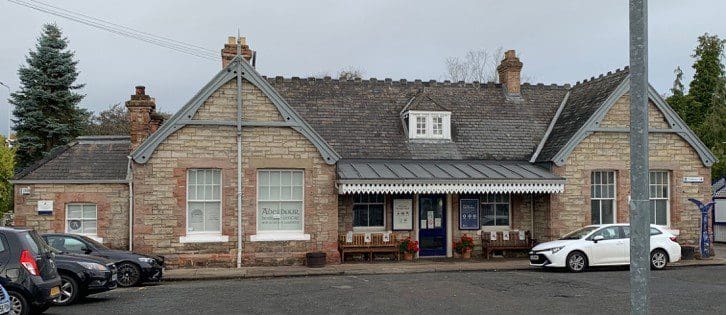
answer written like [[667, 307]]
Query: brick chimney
[[141, 109], [230, 50], [510, 71]]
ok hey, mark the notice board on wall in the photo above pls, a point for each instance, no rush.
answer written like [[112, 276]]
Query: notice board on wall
[[402, 214], [469, 214]]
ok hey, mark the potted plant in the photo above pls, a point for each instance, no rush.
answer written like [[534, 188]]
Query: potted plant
[[464, 246], [408, 247]]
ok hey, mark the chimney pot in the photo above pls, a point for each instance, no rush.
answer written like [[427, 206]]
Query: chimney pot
[[140, 90]]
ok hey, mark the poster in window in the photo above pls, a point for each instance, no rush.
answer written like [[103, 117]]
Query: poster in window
[[402, 214], [196, 220], [74, 226], [469, 214]]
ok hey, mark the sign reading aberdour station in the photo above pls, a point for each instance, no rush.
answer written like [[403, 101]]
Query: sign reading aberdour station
[[259, 171]]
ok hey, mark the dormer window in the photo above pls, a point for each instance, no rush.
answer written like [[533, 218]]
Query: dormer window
[[429, 125]]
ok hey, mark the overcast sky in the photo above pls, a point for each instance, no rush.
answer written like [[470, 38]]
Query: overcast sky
[[559, 41]]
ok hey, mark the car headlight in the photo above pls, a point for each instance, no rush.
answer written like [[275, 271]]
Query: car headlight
[[147, 260], [553, 249], [93, 266]]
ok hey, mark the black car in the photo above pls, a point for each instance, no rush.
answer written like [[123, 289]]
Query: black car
[[27, 271], [132, 268], [83, 275]]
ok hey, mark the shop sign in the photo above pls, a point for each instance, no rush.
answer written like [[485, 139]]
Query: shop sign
[[693, 179], [469, 214], [402, 214]]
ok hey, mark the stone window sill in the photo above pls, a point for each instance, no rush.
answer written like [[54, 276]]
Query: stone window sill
[[204, 238], [273, 237]]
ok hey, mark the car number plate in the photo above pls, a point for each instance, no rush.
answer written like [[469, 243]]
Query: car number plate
[[54, 291], [114, 277], [533, 257]]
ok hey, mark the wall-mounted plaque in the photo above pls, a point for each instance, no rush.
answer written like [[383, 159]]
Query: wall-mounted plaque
[[402, 214], [469, 214], [45, 206]]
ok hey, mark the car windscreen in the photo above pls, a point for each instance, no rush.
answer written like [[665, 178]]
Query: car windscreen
[[578, 234], [94, 242]]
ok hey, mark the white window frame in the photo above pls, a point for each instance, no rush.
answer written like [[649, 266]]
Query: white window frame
[[615, 193], [491, 228], [375, 227], [204, 236], [667, 198], [279, 235], [413, 130], [93, 236]]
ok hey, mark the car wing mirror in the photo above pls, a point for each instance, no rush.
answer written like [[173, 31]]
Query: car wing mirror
[[598, 238]]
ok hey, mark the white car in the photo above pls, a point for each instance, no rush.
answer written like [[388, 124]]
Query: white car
[[603, 245]]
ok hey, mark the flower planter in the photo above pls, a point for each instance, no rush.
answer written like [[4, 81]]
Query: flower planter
[[466, 254], [408, 256], [315, 259]]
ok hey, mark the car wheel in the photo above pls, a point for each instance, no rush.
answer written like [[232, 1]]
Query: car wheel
[[128, 274], [69, 291], [18, 304], [658, 259], [576, 262]]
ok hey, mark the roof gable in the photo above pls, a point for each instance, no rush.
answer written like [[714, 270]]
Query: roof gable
[[237, 69], [577, 122]]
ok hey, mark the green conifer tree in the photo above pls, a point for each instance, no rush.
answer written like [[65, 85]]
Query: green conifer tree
[[46, 106]]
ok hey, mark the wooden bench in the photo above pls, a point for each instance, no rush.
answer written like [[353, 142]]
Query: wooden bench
[[375, 245], [514, 242]]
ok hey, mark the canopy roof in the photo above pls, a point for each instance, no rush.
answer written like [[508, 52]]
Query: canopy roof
[[445, 176]]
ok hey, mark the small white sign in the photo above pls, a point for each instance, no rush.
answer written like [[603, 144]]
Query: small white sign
[[349, 237], [693, 179], [521, 235], [45, 206], [505, 235], [386, 237], [493, 236], [367, 238]]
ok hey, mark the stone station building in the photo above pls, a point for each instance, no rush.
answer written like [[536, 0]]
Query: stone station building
[[259, 171]]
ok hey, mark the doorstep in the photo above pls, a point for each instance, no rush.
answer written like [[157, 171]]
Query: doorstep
[[401, 267]]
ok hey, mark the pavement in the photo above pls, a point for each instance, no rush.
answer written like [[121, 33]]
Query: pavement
[[675, 290], [382, 268]]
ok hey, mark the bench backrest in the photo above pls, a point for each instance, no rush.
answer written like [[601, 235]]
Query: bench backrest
[[514, 239], [376, 240]]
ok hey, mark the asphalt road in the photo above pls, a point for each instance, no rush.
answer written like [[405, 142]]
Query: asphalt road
[[692, 290]]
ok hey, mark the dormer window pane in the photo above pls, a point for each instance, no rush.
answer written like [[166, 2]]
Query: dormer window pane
[[438, 125], [420, 125]]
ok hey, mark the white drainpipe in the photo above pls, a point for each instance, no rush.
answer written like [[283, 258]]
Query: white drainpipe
[[130, 177], [239, 156]]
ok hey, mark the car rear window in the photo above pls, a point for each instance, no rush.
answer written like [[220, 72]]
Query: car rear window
[[34, 242], [653, 231]]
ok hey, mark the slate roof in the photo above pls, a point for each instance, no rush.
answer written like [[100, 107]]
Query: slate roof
[[719, 188], [95, 158], [361, 118], [585, 98], [441, 170]]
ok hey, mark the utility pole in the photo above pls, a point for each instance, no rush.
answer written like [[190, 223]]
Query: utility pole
[[639, 174], [10, 112]]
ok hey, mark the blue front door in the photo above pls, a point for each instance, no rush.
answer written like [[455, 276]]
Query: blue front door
[[432, 229]]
